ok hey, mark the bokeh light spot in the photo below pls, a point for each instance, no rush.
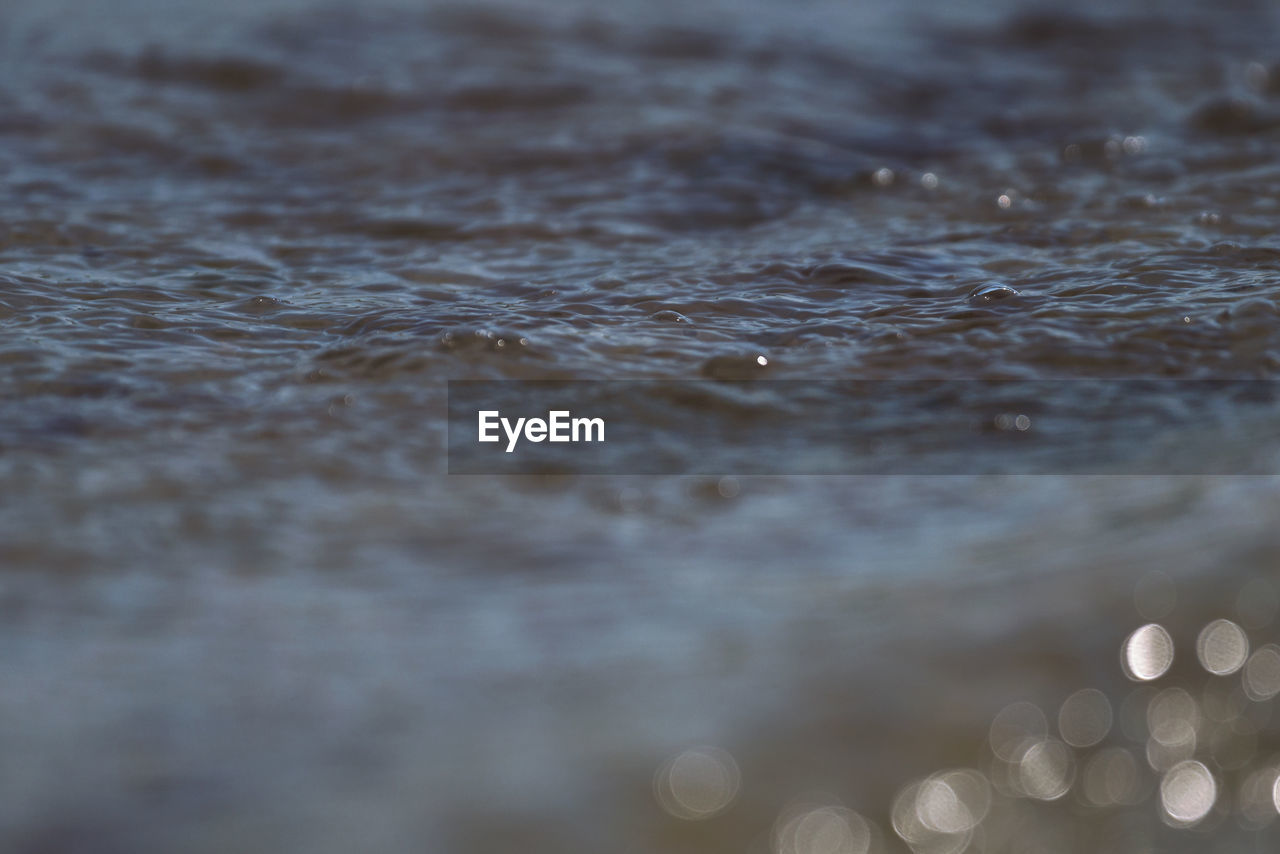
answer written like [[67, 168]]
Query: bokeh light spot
[[1014, 727], [697, 784], [1045, 770], [1085, 718], [1111, 778], [822, 829], [1187, 793], [953, 801], [1222, 647], [1262, 673], [1148, 653]]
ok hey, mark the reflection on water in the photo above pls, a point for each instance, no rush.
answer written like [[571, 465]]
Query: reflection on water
[[1208, 761]]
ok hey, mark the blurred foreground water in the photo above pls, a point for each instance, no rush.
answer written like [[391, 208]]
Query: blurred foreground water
[[243, 247]]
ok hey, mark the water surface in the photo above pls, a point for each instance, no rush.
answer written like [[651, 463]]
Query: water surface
[[242, 249]]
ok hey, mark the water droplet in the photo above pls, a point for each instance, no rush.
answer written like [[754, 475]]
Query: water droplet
[[728, 487], [1134, 145], [1012, 421]]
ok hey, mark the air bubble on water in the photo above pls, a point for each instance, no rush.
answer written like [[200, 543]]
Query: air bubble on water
[[929, 181], [1012, 421], [882, 177], [986, 294], [728, 487]]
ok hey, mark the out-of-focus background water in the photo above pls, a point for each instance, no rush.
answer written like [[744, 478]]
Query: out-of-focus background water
[[244, 245]]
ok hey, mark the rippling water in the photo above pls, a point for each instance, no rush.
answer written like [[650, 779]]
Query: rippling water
[[242, 249]]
